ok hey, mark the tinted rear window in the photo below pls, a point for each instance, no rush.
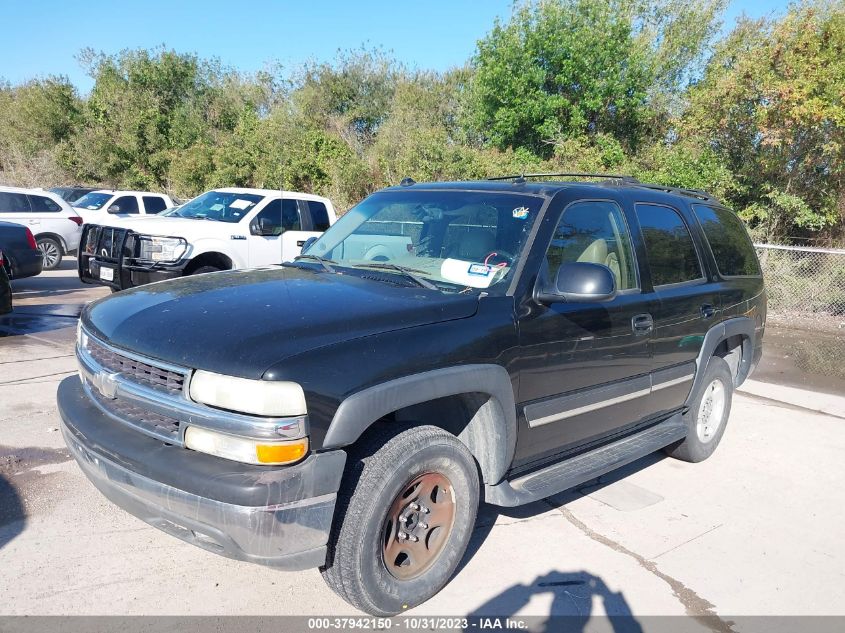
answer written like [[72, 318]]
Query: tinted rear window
[[154, 204], [671, 253], [729, 241], [319, 215], [43, 204]]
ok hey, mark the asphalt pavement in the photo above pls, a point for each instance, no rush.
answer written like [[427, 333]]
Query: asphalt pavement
[[756, 529]]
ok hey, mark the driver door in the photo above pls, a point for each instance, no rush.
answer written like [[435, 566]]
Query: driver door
[[266, 249], [584, 366]]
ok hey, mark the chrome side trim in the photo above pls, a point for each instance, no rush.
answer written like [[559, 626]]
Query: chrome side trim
[[672, 383], [183, 410], [587, 408]]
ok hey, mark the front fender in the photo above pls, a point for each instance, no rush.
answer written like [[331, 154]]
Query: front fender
[[490, 435], [237, 251]]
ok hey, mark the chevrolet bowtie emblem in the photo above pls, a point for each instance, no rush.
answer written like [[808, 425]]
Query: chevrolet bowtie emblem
[[106, 384]]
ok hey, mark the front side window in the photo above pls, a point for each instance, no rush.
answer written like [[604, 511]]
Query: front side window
[[154, 204], [42, 204], [457, 240], [729, 241], [93, 201], [220, 206], [13, 202], [125, 204], [594, 232], [268, 222], [671, 253]]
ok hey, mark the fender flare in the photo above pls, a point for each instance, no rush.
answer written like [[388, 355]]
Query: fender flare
[[490, 435], [53, 236], [742, 326]]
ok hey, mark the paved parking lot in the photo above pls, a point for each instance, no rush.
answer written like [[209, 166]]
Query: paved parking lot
[[757, 529]]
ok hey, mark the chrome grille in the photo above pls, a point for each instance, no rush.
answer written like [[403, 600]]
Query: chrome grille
[[161, 426], [134, 370]]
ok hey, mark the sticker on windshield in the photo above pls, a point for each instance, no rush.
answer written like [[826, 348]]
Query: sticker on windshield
[[479, 269], [520, 213], [240, 203]]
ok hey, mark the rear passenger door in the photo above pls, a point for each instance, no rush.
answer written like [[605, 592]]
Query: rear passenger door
[[687, 301], [297, 225], [153, 204], [584, 368]]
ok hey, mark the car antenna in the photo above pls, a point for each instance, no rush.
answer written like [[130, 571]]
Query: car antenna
[[407, 181]]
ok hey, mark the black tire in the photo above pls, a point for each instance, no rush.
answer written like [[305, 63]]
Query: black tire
[[378, 472], [51, 252], [695, 448], [205, 269]]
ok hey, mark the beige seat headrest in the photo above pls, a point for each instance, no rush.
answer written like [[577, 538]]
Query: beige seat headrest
[[595, 253]]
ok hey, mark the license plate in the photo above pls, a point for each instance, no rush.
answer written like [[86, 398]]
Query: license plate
[[107, 273]]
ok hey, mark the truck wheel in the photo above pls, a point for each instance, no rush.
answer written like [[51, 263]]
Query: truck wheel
[[51, 252], [406, 510], [708, 414], [205, 269]]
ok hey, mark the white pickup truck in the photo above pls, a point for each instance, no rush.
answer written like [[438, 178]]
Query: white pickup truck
[[221, 229]]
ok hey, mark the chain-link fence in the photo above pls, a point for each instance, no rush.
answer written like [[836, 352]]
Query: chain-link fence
[[804, 282]]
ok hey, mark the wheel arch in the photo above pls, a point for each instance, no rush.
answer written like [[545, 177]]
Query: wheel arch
[[723, 339], [476, 401], [209, 258], [54, 236]]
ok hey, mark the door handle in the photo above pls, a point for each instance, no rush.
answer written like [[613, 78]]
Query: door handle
[[707, 311], [300, 243], [642, 324]]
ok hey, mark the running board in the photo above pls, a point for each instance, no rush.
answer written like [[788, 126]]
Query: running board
[[586, 466]]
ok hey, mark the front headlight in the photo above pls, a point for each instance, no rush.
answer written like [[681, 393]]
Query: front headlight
[[161, 249], [258, 397], [245, 450]]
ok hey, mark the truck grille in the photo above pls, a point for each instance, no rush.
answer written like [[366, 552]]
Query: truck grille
[[106, 242], [148, 375], [160, 426]]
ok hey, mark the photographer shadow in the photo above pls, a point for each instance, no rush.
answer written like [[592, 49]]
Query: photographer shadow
[[574, 594]]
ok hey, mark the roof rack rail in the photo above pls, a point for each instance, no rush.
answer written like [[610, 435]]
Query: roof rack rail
[[694, 193], [573, 174]]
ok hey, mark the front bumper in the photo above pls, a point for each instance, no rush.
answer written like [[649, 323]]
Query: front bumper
[[280, 517], [118, 257]]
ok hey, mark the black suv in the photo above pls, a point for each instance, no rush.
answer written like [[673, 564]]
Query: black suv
[[441, 344]]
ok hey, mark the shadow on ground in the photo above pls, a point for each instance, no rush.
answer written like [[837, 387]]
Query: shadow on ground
[[573, 592], [12, 517]]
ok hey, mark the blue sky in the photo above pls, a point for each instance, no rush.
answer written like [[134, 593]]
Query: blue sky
[[43, 38]]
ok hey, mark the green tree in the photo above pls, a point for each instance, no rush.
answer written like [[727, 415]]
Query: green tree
[[567, 68], [772, 105]]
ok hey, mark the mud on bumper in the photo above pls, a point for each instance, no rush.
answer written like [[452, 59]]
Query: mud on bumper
[[289, 531]]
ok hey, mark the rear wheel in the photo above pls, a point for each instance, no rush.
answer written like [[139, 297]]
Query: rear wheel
[[708, 414], [405, 515], [51, 252]]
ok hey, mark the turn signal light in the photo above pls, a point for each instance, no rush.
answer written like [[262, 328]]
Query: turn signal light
[[281, 453]]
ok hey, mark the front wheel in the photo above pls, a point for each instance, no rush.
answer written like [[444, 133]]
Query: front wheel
[[406, 511], [708, 414], [51, 253]]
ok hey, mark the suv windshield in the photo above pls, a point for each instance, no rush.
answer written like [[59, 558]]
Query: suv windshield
[[454, 239], [93, 201], [218, 205]]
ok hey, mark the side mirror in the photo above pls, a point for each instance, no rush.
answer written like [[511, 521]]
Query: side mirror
[[307, 244], [265, 227], [113, 209], [578, 281]]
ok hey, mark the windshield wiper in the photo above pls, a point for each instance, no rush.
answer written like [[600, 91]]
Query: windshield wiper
[[408, 272], [324, 262]]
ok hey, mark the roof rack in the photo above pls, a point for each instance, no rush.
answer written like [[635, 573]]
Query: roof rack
[[573, 174], [694, 193]]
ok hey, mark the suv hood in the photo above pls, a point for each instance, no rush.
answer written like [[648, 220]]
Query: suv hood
[[242, 322]]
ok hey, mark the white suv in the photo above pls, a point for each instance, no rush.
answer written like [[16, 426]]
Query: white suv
[[94, 206], [220, 230], [55, 225]]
